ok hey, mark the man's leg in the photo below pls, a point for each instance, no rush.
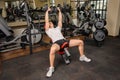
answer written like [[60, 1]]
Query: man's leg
[[53, 50], [80, 44]]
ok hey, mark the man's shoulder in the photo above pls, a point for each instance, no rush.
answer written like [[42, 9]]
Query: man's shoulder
[[58, 27]]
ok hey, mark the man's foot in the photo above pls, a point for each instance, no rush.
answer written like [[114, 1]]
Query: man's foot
[[84, 58], [50, 72]]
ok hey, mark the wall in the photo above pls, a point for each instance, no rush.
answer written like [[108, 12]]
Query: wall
[[32, 3], [113, 12], [62, 1], [39, 3], [2, 5], [119, 18]]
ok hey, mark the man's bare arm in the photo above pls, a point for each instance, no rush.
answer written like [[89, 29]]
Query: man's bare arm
[[47, 19], [59, 18]]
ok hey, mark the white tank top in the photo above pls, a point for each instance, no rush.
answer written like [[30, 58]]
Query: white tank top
[[55, 34]]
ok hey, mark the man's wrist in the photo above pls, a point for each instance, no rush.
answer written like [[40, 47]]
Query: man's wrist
[[59, 11]]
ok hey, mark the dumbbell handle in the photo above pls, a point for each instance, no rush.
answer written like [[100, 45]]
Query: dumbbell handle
[[66, 51]]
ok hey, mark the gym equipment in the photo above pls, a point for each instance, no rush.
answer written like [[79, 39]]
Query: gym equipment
[[34, 13], [36, 35], [105, 31], [91, 23], [5, 31], [30, 35], [93, 27], [99, 35], [53, 9], [45, 7], [21, 40], [85, 28], [10, 18], [66, 8], [10, 13], [68, 24], [1, 11], [65, 53], [99, 24]]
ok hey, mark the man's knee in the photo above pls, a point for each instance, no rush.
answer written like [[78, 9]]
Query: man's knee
[[81, 43], [53, 50]]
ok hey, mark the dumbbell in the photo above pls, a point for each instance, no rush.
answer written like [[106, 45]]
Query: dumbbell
[[45, 8], [53, 8]]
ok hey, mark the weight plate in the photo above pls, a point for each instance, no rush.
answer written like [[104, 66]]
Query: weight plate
[[99, 35], [99, 25], [105, 31], [104, 21], [36, 36]]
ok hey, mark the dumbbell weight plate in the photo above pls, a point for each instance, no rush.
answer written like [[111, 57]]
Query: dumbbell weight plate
[[99, 35], [99, 24], [105, 31]]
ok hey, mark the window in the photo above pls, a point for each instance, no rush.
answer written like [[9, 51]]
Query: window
[[100, 6]]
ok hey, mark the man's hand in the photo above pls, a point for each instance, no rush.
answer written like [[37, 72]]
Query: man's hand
[[49, 9], [58, 9]]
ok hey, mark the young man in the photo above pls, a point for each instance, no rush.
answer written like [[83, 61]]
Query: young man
[[58, 39]]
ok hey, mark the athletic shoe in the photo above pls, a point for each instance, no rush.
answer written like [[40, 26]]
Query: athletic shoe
[[84, 58], [50, 72]]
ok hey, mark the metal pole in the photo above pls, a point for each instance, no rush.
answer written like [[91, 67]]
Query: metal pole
[[29, 26]]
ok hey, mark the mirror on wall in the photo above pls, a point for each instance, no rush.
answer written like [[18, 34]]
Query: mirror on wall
[[13, 10]]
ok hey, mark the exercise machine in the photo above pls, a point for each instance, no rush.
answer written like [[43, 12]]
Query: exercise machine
[[29, 36], [5, 31], [91, 23], [65, 53]]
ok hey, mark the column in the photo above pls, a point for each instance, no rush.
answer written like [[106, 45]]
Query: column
[[113, 13]]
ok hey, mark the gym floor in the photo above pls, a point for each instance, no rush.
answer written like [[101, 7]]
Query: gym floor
[[105, 64]]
